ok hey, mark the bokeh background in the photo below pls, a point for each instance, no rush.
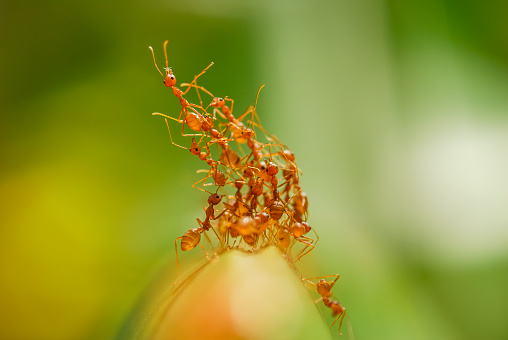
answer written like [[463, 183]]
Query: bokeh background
[[397, 112]]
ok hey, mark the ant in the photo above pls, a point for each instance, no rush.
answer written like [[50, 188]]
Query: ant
[[324, 288], [240, 132], [256, 189], [193, 119], [298, 230], [276, 207], [237, 206], [192, 237], [218, 176]]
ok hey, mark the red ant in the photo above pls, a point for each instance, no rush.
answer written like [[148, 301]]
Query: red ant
[[193, 119], [237, 206], [324, 288], [192, 237], [256, 189], [298, 230], [240, 132]]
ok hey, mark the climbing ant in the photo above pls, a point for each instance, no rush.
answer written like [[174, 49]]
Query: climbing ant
[[324, 289]]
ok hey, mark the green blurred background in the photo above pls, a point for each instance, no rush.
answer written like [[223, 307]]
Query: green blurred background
[[396, 111]]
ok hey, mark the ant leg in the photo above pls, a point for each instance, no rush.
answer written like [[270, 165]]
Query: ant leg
[[251, 109], [206, 254], [232, 104], [184, 112], [341, 317], [315, 233], [217, 111], [171, 137], [166, 116], [196, 78], [178, 121], [273, 229], [303, 252], [270, 137], [336, 276], [213, 229], [218, 216], [216, 235], [183, 120], [289, 200], [209, 241], [202, 180], [312, 245], [198, 106], [199, 95], [177, 262], [195, 85], [255, 105], [318, 300]]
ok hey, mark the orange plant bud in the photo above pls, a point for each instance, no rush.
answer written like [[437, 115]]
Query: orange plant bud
[[238, 296]]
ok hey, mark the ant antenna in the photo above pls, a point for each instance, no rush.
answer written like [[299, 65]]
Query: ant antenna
[[168, 70], [255, 105], [153, 55]]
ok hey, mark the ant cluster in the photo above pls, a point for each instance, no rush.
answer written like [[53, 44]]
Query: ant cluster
[[259, 188]]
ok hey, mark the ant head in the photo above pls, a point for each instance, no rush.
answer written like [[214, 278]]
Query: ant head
[[323, 289], [247, 133], [195, 149], [248, 172], [263, 217], [257, 188], [218, 102], [289, 155], [272, 169], [215, 199], [307, 227], [169, 79]]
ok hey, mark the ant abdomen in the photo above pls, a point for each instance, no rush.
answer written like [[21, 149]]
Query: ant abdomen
[[190, 239], [193, 121], [297, 229], [283, 238], [276, 210]]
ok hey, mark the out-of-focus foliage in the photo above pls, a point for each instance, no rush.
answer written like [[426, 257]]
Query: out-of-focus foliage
[[396, 111]]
